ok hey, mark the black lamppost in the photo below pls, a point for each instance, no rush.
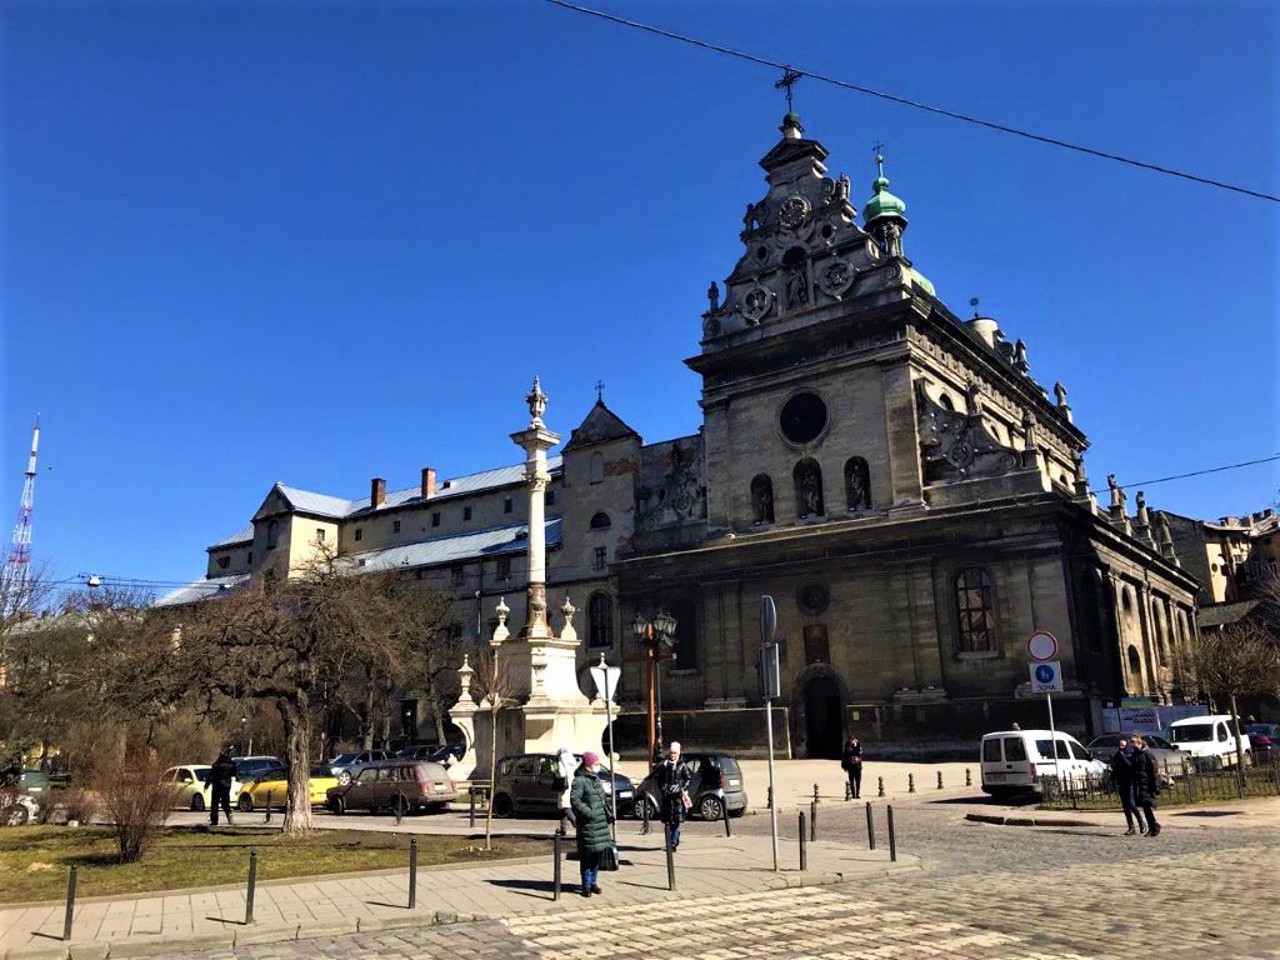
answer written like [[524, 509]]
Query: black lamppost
[[658, 637]]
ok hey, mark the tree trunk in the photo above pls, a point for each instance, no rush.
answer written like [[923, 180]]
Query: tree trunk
[[297, 739], [493, 776], [1235, 729], [366, 722]]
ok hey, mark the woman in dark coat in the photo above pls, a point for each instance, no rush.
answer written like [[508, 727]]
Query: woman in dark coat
[[851, 762], [586, 799], [1122, 778], [1146, 784], [672, 778]]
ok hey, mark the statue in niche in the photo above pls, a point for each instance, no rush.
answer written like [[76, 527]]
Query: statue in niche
[[808, 477], [713, 297], [751, 219], [857, 484], [1028, 430], [797, 290], [1117, 492], [842, 187], [762, 500], [974, 398]]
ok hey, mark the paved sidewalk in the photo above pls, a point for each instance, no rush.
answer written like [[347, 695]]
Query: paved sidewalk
[[708, 864]]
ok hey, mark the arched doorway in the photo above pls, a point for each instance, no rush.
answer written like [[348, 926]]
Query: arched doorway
[[823, 723]]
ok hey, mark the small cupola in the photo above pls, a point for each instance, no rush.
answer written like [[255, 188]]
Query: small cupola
[[884, 215]]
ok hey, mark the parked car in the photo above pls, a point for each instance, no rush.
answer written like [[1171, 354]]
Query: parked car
[[716, 782], [346, 765], [1169, 759], [400, 786], [1015, 761], [251, 768], [446, 755], [194, 789], [1265, 738], [1209, 741], [526, 783], [17, 808], [274, 786]]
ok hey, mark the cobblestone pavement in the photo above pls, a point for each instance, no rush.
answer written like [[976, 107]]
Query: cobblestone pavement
[[991, 892]]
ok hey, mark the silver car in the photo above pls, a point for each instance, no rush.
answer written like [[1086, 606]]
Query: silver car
[[1170, 761]]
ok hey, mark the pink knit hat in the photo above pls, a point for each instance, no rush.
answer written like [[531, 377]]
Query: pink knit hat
[[590, 759]]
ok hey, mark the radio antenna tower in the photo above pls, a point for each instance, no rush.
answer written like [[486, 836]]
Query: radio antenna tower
[[17, 567]]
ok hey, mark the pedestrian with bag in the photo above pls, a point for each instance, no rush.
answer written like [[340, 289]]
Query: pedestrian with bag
[[1122, 762], [591, 814], [1146, 784], [563, 770], [851, 763], [221, 776], [672, 779]]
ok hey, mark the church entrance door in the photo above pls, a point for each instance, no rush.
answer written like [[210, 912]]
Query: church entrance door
[[822, 720]]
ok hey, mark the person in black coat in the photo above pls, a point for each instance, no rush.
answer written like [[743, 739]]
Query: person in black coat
[[672, 779], [1122, 778], [851, 763], [220, 779], [1146, 784]]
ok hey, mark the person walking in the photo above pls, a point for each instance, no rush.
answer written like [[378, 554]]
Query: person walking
[[1146, 784], [1122, 780], [591, 815], [851, 762], [672, 779], [565, 766], [221, 776]]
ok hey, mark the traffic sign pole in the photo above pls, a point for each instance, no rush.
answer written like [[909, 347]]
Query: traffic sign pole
[[1053, 737], [768, 661]]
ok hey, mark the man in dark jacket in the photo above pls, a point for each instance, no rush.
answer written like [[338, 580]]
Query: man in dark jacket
[[586, 799], [1146, 784], [851, 763], [672, 779], [220, 779], [1122, 778]]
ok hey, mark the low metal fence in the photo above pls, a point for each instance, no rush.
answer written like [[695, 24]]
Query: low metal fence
[[1194, 786]]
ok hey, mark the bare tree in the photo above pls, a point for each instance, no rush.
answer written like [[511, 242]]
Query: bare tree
[[495, 690], [1240, 660]]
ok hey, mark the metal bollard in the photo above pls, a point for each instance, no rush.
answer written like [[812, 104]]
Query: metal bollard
[[893, 842], [939, 779], [253, 885], [815, 793], [871, 830], [911, 783], [267, 818], [413, 873], [968, 777], [725, 808], [472, 794], [879, 786], [848, 791], [555, 851], [813, 820], [804, 853], [71, 903], [671, 860]]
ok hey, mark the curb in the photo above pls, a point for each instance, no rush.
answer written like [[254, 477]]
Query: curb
[[1026, 821]]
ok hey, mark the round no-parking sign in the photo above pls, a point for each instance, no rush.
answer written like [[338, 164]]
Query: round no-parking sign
[[1042, 646]]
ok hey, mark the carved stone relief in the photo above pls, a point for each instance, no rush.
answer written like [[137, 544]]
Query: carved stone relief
[[958, 446]]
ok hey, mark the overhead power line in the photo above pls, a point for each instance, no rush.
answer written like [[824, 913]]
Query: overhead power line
[[1196, 473], [905, 101]]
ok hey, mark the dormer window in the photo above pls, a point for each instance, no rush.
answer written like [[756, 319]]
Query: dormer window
[[224, 562]]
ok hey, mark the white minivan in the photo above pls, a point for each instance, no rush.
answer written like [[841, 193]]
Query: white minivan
[[1014, 761], [1209, 741]]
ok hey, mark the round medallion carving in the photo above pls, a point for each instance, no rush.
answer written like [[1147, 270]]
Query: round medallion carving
[[813, 598], [756, 304], [803, 418], [793, 211], [837, 278]]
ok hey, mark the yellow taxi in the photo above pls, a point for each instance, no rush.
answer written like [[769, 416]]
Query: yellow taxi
[[273, 783]]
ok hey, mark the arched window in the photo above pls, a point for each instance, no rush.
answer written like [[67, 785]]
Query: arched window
[[273, 534], [597, 468], [1135, 668], [808, 480], [1126, 600], [857, 484], [946, 402], [975, 612], [600, 620], [762, 499], [1158, 625], [601, 521]]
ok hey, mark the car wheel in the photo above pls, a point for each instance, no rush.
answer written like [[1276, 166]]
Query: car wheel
[[711, 808], [502, 805], [245, 803], [344, 778], [337, 805], [14, 815], [197, 803]]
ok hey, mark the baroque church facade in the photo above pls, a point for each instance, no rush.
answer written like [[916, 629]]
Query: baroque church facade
[[892, 475]]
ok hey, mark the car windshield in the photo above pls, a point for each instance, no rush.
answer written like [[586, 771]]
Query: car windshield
[[342, 758], [1193, 733], [202, 775]]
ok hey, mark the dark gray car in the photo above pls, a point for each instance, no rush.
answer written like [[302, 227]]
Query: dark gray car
[[716, 783], [526, 784]]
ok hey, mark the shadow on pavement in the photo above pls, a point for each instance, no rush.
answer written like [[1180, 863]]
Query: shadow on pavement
[[529, 888]]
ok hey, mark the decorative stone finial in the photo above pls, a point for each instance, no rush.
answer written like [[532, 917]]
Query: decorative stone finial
[[568, 609], [568, 633], [465, 672], [537, 401], [501, 633]]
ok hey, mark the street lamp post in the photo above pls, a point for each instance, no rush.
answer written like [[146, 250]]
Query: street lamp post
[[658, 637]]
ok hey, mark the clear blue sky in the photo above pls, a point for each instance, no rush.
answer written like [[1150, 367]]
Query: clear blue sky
[[319, 242]]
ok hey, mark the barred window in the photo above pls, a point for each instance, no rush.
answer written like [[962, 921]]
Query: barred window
[[975, 610], [600, 620]]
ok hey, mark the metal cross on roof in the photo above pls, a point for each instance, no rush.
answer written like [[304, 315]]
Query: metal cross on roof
[[599, 391], [789, 78], [878, 150]]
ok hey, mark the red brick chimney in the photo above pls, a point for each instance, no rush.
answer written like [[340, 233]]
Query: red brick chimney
[[428, 482], [377, 493]]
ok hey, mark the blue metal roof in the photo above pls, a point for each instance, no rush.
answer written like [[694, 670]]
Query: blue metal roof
[[203, 590], [495, 542], [244, 535]]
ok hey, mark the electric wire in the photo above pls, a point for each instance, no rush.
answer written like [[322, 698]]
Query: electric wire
[[1197, 473], [905, 101]]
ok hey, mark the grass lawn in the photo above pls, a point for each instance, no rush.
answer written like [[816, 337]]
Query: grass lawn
[[34, 860]]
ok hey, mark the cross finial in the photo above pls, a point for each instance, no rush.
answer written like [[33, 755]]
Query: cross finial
[[879, 152], [789, 78], [599, 391]]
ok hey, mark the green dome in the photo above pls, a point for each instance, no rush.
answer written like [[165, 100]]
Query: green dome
[[921, 281], [883, 203]]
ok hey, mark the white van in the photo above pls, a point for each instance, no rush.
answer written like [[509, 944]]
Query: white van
[[1209, 741], [1014, 761]]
